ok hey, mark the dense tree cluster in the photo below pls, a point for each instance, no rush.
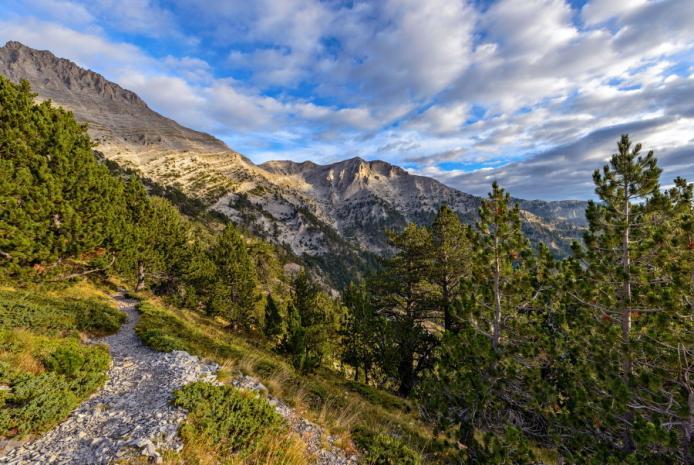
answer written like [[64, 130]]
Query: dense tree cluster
[[513, 352]]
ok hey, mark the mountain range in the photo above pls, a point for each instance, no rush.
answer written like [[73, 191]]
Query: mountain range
[[334, 216]]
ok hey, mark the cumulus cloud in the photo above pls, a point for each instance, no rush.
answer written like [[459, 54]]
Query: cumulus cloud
[[565, 171], [600, 11]]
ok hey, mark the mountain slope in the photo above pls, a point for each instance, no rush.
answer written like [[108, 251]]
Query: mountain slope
[[332, 215], [128, 132]]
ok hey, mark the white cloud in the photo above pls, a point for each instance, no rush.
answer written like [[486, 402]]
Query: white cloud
[[600, 11], [527, 29], [402, 50], [65, 11], [442, 119]]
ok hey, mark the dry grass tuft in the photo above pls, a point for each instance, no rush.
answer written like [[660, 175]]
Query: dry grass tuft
[[25, 347]]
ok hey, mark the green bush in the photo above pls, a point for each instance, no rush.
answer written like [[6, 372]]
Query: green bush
[[96, 317], [379, 397], [36, 402], [45, 366], [160, 341], [226, 416], [64, 361], [383, 449], [266, 367]]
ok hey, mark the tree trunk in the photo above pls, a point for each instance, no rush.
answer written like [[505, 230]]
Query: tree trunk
[[688, 424], [447, 319], [496, 325], [140, 278], [626, 307], [626, 318], [406, 374]]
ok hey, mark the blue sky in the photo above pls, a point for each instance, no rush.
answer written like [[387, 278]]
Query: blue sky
[[533, 93]]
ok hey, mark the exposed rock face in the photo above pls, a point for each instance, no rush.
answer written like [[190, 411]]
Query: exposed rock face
[[329, 212], [114, 115], [124, 127]]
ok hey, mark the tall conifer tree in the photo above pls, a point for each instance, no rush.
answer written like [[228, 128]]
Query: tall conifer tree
[[405, 298], [451, 253]]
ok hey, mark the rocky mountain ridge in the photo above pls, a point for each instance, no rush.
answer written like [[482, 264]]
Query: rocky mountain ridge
[[363, 197], [331, 215]]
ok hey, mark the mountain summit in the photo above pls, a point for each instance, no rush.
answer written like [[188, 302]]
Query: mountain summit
[[321, 212], [114, 115]]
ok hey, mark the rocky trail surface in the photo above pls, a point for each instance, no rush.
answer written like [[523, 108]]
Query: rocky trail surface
[[131, 415]]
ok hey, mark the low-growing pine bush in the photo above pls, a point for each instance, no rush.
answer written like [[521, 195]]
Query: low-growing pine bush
[[21, 309], [164, 331], [35, 402], [233, 419], [383, 449]]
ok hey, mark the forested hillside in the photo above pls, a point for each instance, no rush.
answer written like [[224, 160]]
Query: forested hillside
[[508, 355]]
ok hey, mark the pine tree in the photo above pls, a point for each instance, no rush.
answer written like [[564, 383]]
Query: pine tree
[[363, 331], [633, 285], [451, 254], [485, 382], [56, 201], [273, 319], [680, 347], [235, 293], [294, 343], [136, 245], [313, 324], [614, 246], [663, 350], [405, 296], [499, 285]]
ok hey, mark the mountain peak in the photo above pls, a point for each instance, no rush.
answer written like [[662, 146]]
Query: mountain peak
[[355, 160], [14, 44], [349, 203], [115, 116], [51, 75]]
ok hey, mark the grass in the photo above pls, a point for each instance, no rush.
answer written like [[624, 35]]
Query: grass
[[345, 408], [45, 368], [48, 313], [383, 449]]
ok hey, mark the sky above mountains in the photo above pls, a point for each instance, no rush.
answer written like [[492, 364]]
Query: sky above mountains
[[533, 93]]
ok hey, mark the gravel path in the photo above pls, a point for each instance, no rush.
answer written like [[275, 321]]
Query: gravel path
[[132, 414]]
